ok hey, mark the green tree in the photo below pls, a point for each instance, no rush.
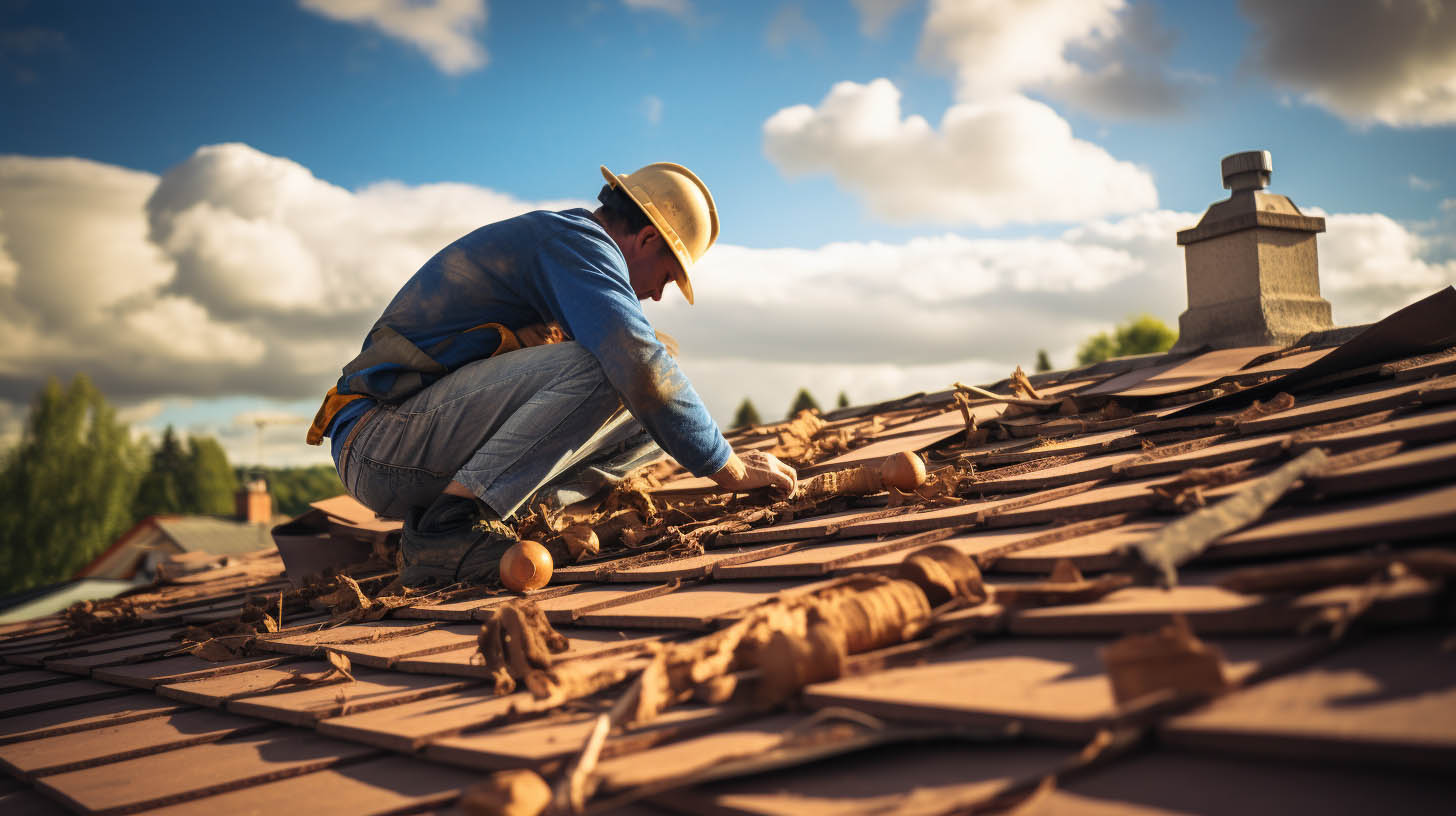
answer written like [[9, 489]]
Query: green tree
[[212, 482], [843, 400], [802, 401], [1143, 334], [168, 486], [746, 414], [66, 488], [1043, 361]]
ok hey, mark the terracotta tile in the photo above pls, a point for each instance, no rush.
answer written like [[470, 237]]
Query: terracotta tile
[[1388, 701], [569, 608], [66, 719], [700, 566], [370, 689], [533, 743], [57, 694], [110, 743], [913, 779], [186, 773], [214, 691], [386, 785], [1050, 688], [308, 643], [1177, 783], [383, 654], [179, 669], [696, 607], [1212, 609], [408, 726]]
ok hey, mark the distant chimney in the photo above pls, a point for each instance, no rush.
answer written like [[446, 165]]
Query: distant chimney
[[1253, 271], [254, 504]]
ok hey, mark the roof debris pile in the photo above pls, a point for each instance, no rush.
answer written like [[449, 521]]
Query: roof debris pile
[[1191, 583]]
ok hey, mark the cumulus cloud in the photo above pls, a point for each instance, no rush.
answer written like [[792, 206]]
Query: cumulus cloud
[[445, 30], [143, 282], [1008, 160], [236, 272], [874, 15], [1104, 56], [1391, 62]]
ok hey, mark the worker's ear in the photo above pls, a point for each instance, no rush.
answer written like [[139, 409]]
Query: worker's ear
[[649, 239]]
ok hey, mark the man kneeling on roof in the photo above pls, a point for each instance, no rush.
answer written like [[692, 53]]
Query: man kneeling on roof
[[434, 422]]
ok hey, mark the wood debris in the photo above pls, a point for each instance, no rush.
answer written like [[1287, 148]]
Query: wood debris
[[515, 640], [1169, 660]]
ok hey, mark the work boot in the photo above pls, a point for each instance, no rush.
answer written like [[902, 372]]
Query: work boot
[[455, 539]]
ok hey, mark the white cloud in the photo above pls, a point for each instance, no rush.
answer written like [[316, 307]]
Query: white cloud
[[445, 30], [878, 320], [1105, 56], [681, 9], [1420, 184], [1391, 62], [1448, 205], [874, 15], [234, 273], [652, 109], [1370, 265], [1008, 160]]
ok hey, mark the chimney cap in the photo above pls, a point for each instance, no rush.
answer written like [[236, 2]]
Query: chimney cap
[[1249, 170]]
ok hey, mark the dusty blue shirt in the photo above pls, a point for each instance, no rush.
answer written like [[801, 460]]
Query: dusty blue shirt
[[545, 267]]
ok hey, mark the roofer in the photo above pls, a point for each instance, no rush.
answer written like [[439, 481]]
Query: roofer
[[434, 422]]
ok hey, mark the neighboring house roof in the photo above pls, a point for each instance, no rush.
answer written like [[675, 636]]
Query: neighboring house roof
[[154, 539], [1310, 535], [53, 599]]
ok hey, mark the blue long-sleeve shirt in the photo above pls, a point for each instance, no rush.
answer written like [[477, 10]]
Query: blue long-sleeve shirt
[[545, 267]]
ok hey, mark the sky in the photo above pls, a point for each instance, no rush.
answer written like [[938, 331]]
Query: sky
[[204, 206]]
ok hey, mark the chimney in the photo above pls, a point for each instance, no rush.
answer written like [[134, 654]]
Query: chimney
[[1253, 272], [254, 504]]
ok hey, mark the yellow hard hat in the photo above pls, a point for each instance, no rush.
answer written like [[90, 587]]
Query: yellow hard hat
[[679, 205]]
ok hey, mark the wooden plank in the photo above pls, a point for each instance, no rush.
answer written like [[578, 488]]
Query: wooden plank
[[369, 690], [569, 608], [916, 436], [407, 727], [1055, 689], [1191, 374], [388, 785], [695, 754], [67, 719], [910, 779], [180, 669], [534, 743], [1099, 551], [1390, 700], [198, 770], [56, 694], [1214, 610], [452, 611], [85, 664], [26, 678], [99, 645], [582, 643], [307, 644], [1255, 448], [1400, 516], [693, 608], [1334, 406], [1433, 463], [1092, 467], [1434, 425], [384, 654], [112, 743], [701, 566], [1168, 782], [215, 691], [798, 529]]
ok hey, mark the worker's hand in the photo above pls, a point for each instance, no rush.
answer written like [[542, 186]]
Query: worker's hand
[[756, 469], [540, 334]]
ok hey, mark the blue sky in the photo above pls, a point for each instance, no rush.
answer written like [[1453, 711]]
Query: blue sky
[[349, 137]]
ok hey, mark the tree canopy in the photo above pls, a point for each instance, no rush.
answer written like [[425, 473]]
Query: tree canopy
[[1143, 334], [802, 400], [746, 414], [66, 489], [1043, 361]]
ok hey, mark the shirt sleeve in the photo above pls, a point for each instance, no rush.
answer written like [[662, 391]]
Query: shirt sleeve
[[587, 287]]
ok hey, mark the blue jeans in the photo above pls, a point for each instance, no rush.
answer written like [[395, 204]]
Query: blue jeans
[[541, 420]]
